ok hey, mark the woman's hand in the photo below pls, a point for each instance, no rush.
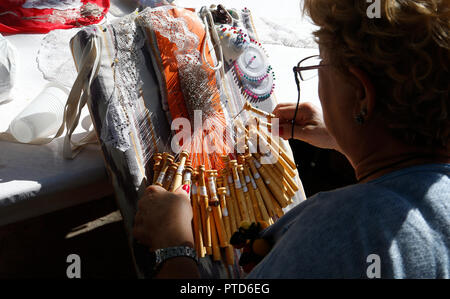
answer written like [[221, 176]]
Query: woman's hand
[[309, 125], [164, 218]]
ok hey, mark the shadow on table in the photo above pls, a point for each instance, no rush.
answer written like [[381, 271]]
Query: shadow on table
[[39, 247]]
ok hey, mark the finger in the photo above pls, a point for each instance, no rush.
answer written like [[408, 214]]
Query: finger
[[154, 189], [285, 131], [285, 113], [300, 132], [283, 107], [184, 191], [305, 113]]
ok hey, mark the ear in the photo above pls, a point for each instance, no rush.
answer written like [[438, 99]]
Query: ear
[[365, 92]]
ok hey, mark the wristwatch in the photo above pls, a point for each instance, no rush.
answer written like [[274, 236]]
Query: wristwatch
[[162, 255]]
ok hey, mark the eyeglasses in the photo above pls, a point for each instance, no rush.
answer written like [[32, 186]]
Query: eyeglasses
[[306, 69]]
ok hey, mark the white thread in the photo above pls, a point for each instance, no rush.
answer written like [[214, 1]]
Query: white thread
[[254, 184], [212, 186], [225, 212], [203, 191], [180, 170], [187, 176], [161, 178], [237, 183]]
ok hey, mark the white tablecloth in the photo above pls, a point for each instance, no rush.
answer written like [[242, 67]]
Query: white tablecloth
[[35, 180]]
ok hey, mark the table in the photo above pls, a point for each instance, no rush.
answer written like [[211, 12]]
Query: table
[[35, 180]]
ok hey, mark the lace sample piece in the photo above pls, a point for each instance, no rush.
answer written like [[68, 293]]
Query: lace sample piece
[[69, 15], [53, 4], [54, 58], [130, 42]]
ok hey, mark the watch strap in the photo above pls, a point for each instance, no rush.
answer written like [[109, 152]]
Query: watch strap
[[164, 254]]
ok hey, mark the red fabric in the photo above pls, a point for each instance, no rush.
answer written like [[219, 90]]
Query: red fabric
[[14, 18]]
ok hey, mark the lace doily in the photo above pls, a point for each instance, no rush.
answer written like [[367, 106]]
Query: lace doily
[[54, 58]]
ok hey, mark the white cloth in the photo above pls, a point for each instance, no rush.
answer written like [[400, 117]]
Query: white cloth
[[7, 68]]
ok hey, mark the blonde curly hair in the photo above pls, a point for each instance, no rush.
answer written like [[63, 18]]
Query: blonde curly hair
[[406, 53]]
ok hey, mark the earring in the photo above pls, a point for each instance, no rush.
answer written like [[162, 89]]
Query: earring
[[360, 117]]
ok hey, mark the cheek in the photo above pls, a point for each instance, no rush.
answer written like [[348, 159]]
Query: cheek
[[324, 96]]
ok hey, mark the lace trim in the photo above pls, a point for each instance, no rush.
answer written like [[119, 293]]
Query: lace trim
[[129, 42], [175, 30]]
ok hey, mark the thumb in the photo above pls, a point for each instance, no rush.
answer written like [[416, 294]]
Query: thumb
[[184, 190]]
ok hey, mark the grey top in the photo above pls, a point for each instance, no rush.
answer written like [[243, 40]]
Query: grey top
[[397, 226]]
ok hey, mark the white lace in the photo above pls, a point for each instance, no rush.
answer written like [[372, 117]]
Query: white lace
[[55, 59], [128, 57], [53, 4], [69, 15], [175, 30]]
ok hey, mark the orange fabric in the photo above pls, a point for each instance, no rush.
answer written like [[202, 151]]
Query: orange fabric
[[175, 98]]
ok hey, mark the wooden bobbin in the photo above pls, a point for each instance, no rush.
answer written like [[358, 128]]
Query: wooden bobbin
[[168, 180], [168, 160], [260, 201], [280, 170], [215, 243], [177, 179], [229, 202], [249, 107], [215, 205], [157, 158], [196, 222], [248, 200], [279, 149], [239, 192], [278, 209], [222, 192], [205, 209], [265, 194], [279, 160], [228, 178], [278, 179], [275, 189], [251, 191], [229, 255], [188, 173]]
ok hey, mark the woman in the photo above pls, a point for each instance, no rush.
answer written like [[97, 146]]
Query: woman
[[384, 91]]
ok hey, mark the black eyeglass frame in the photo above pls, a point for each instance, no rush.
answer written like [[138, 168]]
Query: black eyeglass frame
[[297, 73]]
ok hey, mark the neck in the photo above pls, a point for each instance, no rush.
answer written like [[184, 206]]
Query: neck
[[392, 157]]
